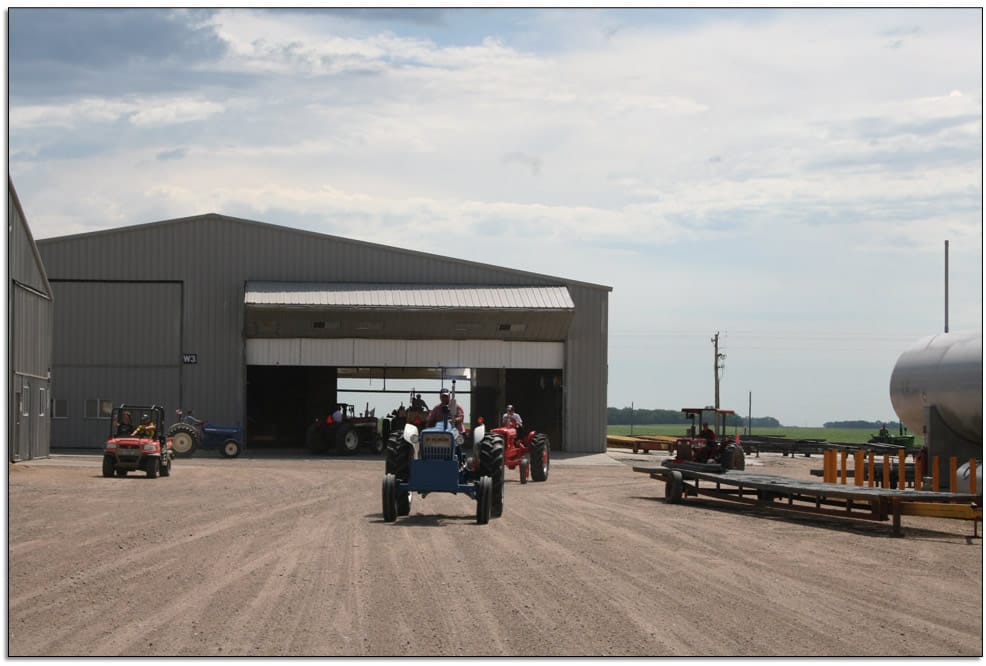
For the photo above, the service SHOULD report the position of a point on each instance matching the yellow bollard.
(827, 466)
(953, 474)
(886, 470)
(902, 470)
(844, 456)
(935, 476)
(918, 471)
(872, 470)
(858, 467)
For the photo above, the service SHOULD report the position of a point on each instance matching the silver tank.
(946, 371)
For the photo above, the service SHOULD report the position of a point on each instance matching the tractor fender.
(478, 433)
(411, 436)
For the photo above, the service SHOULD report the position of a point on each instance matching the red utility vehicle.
(137, 442)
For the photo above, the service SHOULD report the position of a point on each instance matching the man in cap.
(511, 419)
(439, 411)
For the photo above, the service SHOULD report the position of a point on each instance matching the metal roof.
(402, 296)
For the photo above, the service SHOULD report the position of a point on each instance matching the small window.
(98, 409)
(513, 328)
(26, 401)
(59, 409)
(318, 324)
(42, 403)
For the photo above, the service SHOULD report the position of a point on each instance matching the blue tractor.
(190, 434)
(440, 459)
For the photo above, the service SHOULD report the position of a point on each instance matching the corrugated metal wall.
(29, 321)
(214, 256)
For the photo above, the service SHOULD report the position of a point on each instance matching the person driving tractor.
(439, 411)
(145, 428)
(708, 434)
(511, 419)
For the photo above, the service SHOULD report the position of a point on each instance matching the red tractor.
(530, 451)
(703, 448)
(344, 432)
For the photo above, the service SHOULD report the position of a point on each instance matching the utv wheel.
(389, 498)
(166, 464)
(230, 448)
(540, 457)
(347, 440)
(673, 488)
(484, 498)
(109, 465)
(153, 466)
(184, 439)
(491, 465)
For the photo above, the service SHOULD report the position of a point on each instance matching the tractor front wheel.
(389, 498)
(484, 500)
(376, 444)
(347, 440)
(230, 448)
(314, 440)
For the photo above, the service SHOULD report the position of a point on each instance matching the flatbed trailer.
(641, 442)
(813, 497)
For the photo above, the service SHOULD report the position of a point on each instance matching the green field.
(842, 435)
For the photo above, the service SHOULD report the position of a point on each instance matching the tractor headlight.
(459, 439)
(150, 447)
(413, 438)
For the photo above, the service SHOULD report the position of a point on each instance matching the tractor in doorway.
(703, 450)
(344, 433)
(529, 451)
(416, 414)
(189, 434)
(134, 447)
(441, 458)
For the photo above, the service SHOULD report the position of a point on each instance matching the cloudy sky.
(787, 178)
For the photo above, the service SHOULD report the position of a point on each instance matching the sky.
(784, 177)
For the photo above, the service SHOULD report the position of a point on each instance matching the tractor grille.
(436, 446)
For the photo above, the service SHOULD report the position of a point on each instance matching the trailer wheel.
(153, 466)
(184, 439)
(484, 498)
(491, 465)
(673, 487)
(540, 454)
(109, 465)
(230, 448)
(347, 440)
(389, 498)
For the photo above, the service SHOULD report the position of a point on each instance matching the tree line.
(627, 416)
(874, 425)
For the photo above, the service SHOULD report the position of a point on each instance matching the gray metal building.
(253, 324)
(29, 340)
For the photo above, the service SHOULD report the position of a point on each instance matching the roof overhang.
(422, 311)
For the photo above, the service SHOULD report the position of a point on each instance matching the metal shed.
(252, 324)
(29, 340)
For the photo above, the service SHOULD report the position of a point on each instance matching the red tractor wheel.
(540, 457)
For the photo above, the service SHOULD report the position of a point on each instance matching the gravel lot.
(287, 555)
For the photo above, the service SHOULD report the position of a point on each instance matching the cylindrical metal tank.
(946, 371)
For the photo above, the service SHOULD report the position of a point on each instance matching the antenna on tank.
(946, 286)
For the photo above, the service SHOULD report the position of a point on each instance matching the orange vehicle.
(137, 442)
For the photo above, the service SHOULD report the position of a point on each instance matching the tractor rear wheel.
(673, 487)
(732, 457)
(184, 439)
(109, 465)
(389, 498)
(230, 448)
(540, 454)
(314, 441)
(347, 440)
(399, 455)
(525, 470)
(491, 465)
(484, 500)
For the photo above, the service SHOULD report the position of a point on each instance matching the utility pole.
(946, 286)
(718, 365)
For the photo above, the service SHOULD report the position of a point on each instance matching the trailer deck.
(814, 497)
